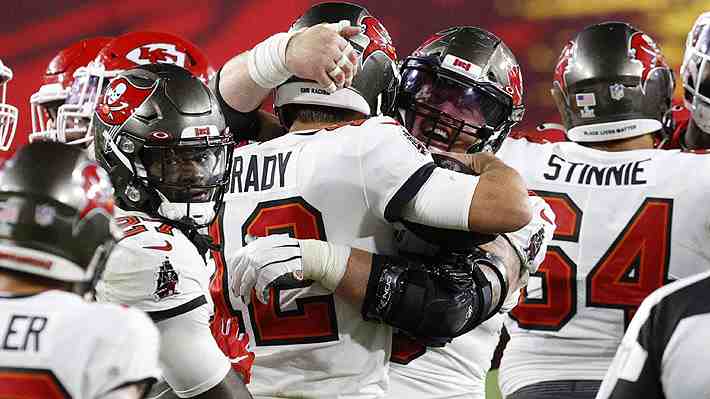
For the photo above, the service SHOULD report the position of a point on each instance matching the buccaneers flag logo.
(379, 38)
(120, 101)
(643, 49)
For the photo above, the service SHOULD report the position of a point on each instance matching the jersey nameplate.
(23, 333)
(635, 173)
(252, 173)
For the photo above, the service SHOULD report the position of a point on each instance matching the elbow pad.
(443, 299)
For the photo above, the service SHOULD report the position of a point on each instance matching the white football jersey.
(56, 345)
(457, 370)
(627, 223)
(157, 269)
(343, 185)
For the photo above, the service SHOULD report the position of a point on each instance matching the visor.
(449, 107)
(187, 173)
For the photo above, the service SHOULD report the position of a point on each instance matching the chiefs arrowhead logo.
(120, 101)
(563, 66)
(515, 88)
(643, 49)
(97, 189)
(379, 39)
(155, 53)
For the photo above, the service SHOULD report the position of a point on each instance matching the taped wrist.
(267, 61)
(324, 262)
(433, 299)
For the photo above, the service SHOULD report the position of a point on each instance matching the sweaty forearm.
(500, 202)
(353, 286)
(237, 87)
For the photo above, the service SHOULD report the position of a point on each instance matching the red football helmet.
(8, 113)
(124, 52)
(56, 82)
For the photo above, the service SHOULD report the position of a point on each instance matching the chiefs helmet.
(56, 82)
(695, 73)
(122, 53)
(461, 80)
(161, 135)
(56, 222)
(8, 113)
(374, 87)
(612, 82)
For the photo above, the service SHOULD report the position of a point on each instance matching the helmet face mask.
(695, 73)
(447, 113)
(8, 113)
(175, 166)
(56, 85)
(461, 91)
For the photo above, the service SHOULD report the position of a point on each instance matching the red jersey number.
(314, 319)
(30, 384)
(634, 266)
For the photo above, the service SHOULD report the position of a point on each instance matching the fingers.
(350, 31)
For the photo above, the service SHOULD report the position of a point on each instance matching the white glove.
(261, 262)
(531, 241)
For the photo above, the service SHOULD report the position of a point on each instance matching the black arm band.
(243, 125)
(441, 299)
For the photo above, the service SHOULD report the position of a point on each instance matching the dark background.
(536, 30)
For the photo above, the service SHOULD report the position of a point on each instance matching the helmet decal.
(515, 88)
(643, 49)
(563, 66)
(154, 53)
(98, 190)
(379, 39)
(121, 99)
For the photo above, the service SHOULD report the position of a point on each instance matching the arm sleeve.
(127, 352)
(443, 201)
(192, 362)
(393, 166)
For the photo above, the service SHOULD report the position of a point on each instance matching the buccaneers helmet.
(8, 113)
(374, 87)
(612, 82)
(56, 82)
(695, 73)
(461, 80)
(122, 53)
(161, 135)
(56, 222)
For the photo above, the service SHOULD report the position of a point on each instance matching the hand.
(234, 345)
(261, 262)
(323, 54)
(531, 241)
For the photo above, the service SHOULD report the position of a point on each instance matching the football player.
(8, 114)
(57, 230)
(660, 355)
(56, 84)
(123, 52)
(694, 132)
(628, 216)
(447, 101)
(342, 177)
(161, 135)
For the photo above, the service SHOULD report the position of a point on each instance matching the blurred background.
(536, 30)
